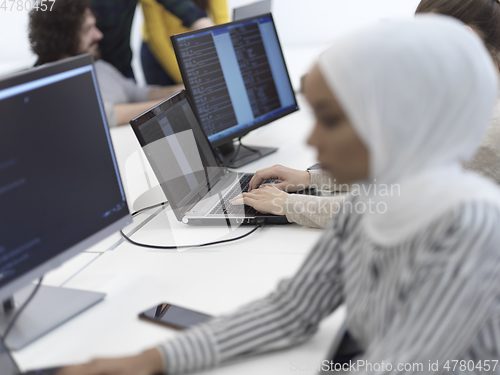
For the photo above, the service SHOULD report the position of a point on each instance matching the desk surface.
(214, 280)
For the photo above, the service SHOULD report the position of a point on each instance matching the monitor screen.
(236, 76)
(59, 182)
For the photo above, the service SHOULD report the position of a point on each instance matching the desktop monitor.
(237, 79)
(60, 189)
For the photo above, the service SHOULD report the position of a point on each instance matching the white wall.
(14, 46)
(311, 23)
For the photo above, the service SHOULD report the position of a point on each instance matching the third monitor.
(237, 78)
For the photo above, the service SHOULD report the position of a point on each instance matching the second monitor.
(237, 78)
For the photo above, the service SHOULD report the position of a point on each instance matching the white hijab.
(419, 93)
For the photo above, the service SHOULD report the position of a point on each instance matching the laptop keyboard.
(224, 207)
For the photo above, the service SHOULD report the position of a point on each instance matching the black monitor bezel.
(45, 70)
(46, 265)
(242, 132)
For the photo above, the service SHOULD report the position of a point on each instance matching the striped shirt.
(434, 297)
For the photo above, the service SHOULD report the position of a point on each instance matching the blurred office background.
(305, 28)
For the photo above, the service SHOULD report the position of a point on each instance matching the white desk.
(215, 280)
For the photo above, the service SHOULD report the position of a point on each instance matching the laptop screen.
(178, 152)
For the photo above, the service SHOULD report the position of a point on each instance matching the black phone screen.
(175, 316)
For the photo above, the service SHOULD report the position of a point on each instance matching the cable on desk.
(16, 316)
(148, 208)
(260, 224)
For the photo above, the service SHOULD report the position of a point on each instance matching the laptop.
(196, 186)
(251, 10)
(9, 367)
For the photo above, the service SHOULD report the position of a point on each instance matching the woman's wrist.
(307, 179)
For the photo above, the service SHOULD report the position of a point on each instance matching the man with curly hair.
(70, 30)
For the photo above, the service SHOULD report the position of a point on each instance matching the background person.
(70, 30)
(483, 17)
(157, 53)
(115, 17)
(420, 282)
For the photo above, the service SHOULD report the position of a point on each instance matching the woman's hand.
(290, 179)
(146, 363)
(266, 199)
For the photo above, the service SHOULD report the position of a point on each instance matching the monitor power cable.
(20, 310)
(260, 224)
(148, 208)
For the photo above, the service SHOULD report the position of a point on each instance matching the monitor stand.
(49, 308)
(234, 156)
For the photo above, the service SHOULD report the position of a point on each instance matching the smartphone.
(174, 316)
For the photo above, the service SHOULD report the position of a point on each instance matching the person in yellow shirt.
(157, 53)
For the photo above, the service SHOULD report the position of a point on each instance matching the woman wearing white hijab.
(419, 272)
(482, 17)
